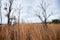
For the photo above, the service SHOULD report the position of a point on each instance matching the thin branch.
(11, 2)
(49, 15)
(14, 11)
(39, 17)
(43, 15)
(44, 10)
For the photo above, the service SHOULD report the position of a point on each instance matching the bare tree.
(9, 10)
(20, 8)
(19, 11)
(0, 13)
(44, 13)
(0, 21)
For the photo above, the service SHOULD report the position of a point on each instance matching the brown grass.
(30, 32)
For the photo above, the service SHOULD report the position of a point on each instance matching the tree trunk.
(8, 19)
(9, 14)
(45, 23)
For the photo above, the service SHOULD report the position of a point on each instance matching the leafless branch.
(39, 17)
(49, 15)
(44, 7)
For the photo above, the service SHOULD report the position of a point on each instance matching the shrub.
(56, 21)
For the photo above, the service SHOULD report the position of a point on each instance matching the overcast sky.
(28, 14)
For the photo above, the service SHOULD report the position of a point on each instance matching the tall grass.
(30, 32)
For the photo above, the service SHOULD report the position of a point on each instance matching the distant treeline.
(55, 21)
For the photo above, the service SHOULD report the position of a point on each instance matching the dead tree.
(19, 11)
(9, 10)
(0, 21)
(20, 8)
(43, 16)
(0, 14)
